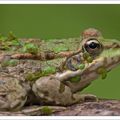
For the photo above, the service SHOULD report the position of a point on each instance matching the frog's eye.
(93, 46)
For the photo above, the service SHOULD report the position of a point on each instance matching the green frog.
(95, 57)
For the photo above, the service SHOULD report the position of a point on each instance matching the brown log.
(101, 108)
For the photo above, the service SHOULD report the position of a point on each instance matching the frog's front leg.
(53, 92)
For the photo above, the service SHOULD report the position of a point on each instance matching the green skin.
(61, 88)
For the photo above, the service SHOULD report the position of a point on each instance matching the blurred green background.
(64, 21)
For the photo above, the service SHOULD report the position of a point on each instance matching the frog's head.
(107, 57)
(105, 54)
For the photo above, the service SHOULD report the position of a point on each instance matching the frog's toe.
(88, 98)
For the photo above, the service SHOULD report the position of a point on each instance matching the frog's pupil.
(93, 45)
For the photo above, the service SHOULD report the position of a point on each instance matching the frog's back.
(60, 45)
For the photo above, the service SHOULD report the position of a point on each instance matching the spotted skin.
(63, 87)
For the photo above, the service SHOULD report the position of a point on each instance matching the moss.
(87, 57)
(104, 75)
(12, 40)
(60, 49)
(36, 75)
(62, 88)
(75, 79)
(3, 38)
(29, 77)
(30, 48)
(103, 72)
(9, 63)
(13, 62)
(4, 64)
(48, 70)
(15, 42)
(46, 110)
(5, 47)
(33, 76)
(81, 66)
(9, 42)
(11, 36)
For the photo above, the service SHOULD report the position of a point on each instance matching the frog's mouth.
(108, 60)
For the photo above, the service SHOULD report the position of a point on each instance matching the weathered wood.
(101, 108)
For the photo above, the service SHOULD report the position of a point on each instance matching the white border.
(59, 2)
(59, 117)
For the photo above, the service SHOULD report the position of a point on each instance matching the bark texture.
(100, 108)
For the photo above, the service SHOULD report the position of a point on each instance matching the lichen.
(30, 48)
(62, 88)
(10, 63)
(36, 75)
(11, 36)
(48, 70)
(75, 79)
(87, 57)
(60, 49)
(103, 72)
(46, 110)
(33, 76)
(9, 41)
(81, 66)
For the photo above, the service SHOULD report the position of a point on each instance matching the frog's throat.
(90, 73)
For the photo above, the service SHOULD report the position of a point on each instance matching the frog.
(96, 56)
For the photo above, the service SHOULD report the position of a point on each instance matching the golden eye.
(93, 46)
